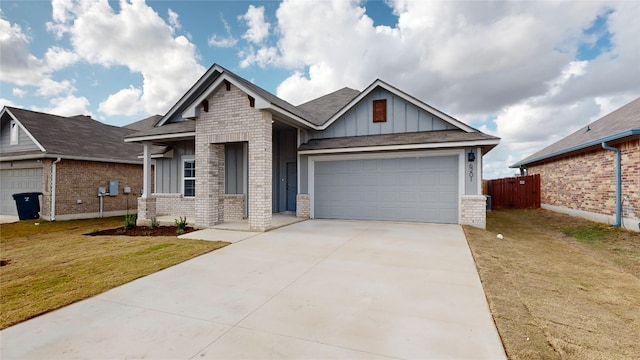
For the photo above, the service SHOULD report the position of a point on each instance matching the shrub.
(181, 225)
(130, 221)
(154, 223)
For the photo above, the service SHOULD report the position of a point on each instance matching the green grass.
(53, 264)
(588, 234)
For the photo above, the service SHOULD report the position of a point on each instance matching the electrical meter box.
(113, 187)
(102, 191)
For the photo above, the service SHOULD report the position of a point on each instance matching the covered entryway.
(14, 181)
(419, 189)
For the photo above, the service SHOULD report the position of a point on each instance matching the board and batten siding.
(24, 141)
(167, 171)
(402, 117)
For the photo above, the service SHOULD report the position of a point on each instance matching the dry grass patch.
(54, 264)
(554, 297)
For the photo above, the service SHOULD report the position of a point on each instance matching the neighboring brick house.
(231, 150)
(578, 175)
(67, 159)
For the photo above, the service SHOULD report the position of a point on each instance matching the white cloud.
(6, 102)
(514, 62)
(124, 102)
(137, 38)
(57, 58)
(19, 66)
(174, 19)
(258, 28)
(49, 87)
(17, 92)
(226, 41)
(67, 106)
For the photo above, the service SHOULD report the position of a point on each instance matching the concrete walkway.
(315, 289)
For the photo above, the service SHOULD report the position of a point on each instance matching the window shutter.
(379, 110)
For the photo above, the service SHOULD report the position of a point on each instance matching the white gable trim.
(186, 96)
(402, 95)
(5, 110)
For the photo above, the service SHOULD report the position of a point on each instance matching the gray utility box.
(113, 187)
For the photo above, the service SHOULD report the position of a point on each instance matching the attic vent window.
(380, 110)
(15, 133)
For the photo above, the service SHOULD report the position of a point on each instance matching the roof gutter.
(632, 132)
(56, 156)
(618, 183)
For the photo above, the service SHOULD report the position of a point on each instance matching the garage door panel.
(403, 189)
(14, 181)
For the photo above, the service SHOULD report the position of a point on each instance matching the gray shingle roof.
(323, 108)
(78, 136)
(144, 124)
(429, 137)
(186, 126)
(619, 124)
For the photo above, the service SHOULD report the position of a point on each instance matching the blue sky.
(528, 72)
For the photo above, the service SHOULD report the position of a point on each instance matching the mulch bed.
(142, 231)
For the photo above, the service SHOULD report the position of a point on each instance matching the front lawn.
(53, 264)
(560, 287)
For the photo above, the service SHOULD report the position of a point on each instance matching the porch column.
(146, 182)
(260, 174)
(209, 200)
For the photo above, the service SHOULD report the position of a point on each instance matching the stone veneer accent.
(474, 211)
(586, 183)
(303, 206)
(232, 119)
(233, 207)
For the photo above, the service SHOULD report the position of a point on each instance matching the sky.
(529, 72)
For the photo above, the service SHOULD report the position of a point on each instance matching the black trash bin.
(28, 205)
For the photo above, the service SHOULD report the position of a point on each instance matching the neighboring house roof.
(77, 137)
(323, 108)
(618, 125)
(144, 124)
(434, 139)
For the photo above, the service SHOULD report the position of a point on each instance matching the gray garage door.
(406, 189)
(14, 181)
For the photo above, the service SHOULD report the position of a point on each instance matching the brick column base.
(303, 206)
(146, 208)
(474, 211)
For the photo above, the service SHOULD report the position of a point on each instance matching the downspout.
(53, 188)
(618, 184)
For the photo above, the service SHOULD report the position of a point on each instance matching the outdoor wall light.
(471, 156)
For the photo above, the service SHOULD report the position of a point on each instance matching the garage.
(14, 181)
(418, 189)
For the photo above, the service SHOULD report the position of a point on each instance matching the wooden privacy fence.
(514, 192)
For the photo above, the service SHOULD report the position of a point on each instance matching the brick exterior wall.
(473, 211)
(232, 119)
(146, 209)
(233, 207)
(586, 182)
(303, 206)
(79, 180)
(175, 204)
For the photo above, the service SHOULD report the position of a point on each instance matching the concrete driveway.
(316, 289)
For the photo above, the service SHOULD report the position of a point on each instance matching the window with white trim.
(188, 176)
(15, 133)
